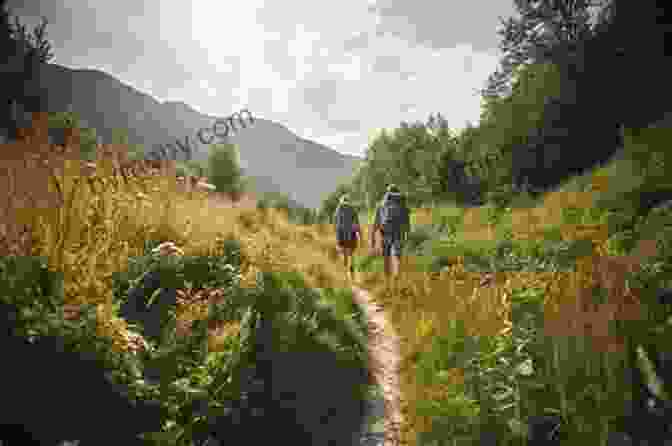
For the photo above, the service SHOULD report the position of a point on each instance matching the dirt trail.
(385, 360)
(384, 353)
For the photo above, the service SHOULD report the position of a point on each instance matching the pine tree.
(21, 54)
(7, 50)
(224, 168)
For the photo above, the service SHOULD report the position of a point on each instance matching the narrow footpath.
(384, 358)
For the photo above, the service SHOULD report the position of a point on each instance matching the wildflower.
(167, 248)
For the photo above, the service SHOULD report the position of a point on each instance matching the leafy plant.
(224, 169)
(419, 235)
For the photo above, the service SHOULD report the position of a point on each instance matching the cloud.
(260, 98)
(386, 64)
(330, 71)
(443, 24)
(320, 96)
(277, 55)
(468, 63)
(358, 41)
(345, 125)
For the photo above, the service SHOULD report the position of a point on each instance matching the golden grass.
(98, 228)
(425, 303)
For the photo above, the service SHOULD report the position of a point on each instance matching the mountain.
(269, 152)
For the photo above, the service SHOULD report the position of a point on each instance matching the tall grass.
(548, 339)
(94, 223)
(476, 356)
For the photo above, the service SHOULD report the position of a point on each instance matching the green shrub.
(224, 169)
(418, 235)
(263, 204)
(181, 170)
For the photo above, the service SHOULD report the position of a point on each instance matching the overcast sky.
(332, 71)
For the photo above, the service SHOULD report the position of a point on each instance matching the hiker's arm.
(358, 228)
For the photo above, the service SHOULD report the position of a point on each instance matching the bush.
(55, 362)
(298, 343)
(224, 171)
(263, 204)
(181, 170)
(34, 396)
(87, 137)
(418, 235)
(291, 340)
(137, 288)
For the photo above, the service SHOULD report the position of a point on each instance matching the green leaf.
(518, 427)
(525, 368)
(576, 250)
(508, 392)
(153, 296)
(161, 438)
(653, 381)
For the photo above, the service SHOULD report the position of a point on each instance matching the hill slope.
(268, 149)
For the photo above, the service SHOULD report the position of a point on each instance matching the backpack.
(392, 217)
(345, 222)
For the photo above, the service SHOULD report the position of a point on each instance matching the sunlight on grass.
(104, 221)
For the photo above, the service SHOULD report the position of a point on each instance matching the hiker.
(392, 220)
(347, 231)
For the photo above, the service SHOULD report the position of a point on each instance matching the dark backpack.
(392, 217)
(345, 222)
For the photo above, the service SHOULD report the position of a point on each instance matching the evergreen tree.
(224, 169)
(21, 55)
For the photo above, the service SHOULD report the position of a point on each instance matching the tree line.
(573, 74)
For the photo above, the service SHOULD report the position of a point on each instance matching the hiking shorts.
(392, 246)
(348, 244)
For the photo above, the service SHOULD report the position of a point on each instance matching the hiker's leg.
(395, 252)
(348, 258)
(387, 260)
(387, 268)
(386, 264)
(395, 261)
(343, 251)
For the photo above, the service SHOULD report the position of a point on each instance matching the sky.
(335, 72)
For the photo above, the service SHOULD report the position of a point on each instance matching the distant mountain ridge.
(302, 169)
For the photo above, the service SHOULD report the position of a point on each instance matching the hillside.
(268, 149)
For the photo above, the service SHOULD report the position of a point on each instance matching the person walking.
(347, 232)
(392, 220)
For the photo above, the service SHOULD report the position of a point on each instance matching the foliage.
(21, 55)
(200, 390)
(330, 203)
(198, 168)
(181, 170)
(540, 31)
(504, 382)
(191, 381)
(419, 236)
(87, 137)
(224, 169)
(36, 331)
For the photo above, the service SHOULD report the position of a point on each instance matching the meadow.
(508, 314)
(504, 313)
(177, 292)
